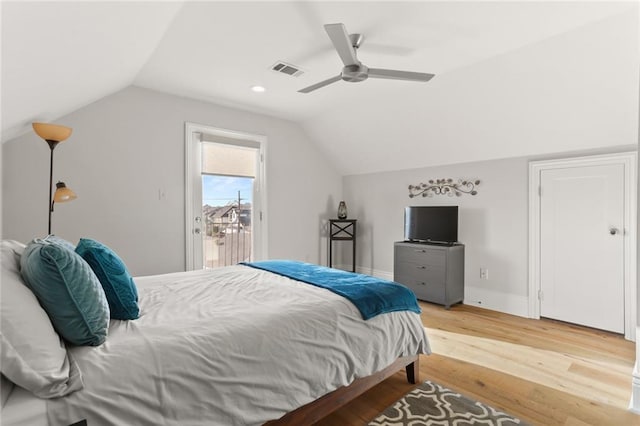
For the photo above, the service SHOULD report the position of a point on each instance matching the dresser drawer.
(421, 255)
(420, 271)
(424, 288)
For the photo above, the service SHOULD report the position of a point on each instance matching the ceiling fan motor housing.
(355, 73)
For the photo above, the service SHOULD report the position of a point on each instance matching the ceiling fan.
(354, 70)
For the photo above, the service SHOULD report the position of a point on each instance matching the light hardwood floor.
(543, 371)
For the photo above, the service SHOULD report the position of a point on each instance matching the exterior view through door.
(227, 220)
(228, 174)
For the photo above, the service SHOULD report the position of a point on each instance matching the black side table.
(342, 230)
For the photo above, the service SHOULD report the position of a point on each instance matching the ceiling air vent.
(285, 68)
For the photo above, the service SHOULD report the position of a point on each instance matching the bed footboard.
(316, 410)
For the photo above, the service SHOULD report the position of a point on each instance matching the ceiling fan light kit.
(355, 71)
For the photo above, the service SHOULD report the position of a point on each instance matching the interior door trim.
(629, 161)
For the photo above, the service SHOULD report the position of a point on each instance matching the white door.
(198, 223)
(582, 245)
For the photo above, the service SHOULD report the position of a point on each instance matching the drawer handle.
(420, 250)
(422, 283)
(421, 267)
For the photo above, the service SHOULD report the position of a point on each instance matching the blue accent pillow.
(68, 290)
(118, 285)
(60, 241)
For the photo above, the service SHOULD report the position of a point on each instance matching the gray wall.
(493, 225)
(126, 147)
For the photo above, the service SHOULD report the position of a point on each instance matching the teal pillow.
(60, 241)
(68, 290)
(118, 285)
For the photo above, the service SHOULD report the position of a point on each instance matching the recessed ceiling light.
(258, 89)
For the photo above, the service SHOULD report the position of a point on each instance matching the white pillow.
(33, 355)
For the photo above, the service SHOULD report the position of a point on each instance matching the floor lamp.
(53, 134)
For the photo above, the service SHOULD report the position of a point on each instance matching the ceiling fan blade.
(321, 84)
(387, 49)
(399, 75)
(340, 39)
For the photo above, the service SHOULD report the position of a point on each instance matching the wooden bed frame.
(325, 405)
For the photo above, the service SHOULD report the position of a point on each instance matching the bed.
(236, 345)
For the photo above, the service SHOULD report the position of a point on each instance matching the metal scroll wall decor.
(444, 187)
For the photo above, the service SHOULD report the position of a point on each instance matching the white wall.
(126, 147)
(493, 225)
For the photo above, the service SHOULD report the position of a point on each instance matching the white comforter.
(230, 346)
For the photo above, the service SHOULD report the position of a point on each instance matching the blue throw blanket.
(372, 296)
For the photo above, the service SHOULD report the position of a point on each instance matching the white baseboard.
(634, 404)
(476, 296)
(346, 268)
(385, 275)
(496, 301)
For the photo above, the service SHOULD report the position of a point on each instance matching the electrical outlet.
(484, 274)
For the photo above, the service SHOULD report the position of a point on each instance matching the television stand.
(435, 272)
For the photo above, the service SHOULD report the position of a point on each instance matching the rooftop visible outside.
(227, 215)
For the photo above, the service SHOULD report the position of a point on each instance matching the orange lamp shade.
(63, 193)
(52, 132)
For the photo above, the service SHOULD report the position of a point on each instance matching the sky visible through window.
(222, 190)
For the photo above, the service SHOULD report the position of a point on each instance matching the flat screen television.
(431, 224)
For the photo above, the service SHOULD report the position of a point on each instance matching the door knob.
(613, 231)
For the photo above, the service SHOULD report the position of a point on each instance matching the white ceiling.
(60, 56)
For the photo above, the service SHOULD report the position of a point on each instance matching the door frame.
(629, 161)
(260, 193)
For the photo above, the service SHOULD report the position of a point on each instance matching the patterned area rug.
(432, 404)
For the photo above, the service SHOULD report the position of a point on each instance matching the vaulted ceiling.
(496, 64)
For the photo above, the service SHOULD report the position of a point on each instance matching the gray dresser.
(435, 273)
